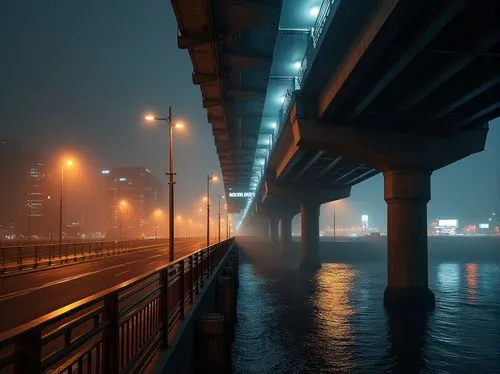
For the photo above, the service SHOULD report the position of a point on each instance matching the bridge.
(307, 99)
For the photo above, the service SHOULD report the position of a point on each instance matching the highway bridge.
(306, 99)
(309, 98)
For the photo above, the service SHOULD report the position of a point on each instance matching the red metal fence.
(117, 330)
(36, 255)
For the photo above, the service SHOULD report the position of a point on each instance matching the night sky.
(83, 73)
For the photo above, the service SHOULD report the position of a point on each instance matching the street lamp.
(227, 220)
(334, 227)
(219, 199)
(209, 178)
(66, 164)
(170, 174)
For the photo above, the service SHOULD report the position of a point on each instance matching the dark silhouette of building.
(11, 188)
(133, 195)
(41, 195)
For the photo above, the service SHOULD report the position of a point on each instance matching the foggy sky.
(83, 73)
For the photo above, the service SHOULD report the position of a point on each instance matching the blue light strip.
(315, 33)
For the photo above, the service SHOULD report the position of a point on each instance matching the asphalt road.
(24, 297)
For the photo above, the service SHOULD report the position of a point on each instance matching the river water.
(334, 321)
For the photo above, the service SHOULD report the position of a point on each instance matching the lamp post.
(68, 163)
(219, 197)
(170, 174)
(227, 220)
(209, 178)
(334, 227)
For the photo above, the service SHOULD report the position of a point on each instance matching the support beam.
(285, 231)
(446, 72)
(407, 193)
(353, 170)
(211, 103)
(273, 228)
(200, 78)
(191, 41)
(365, 175)
(428, 30)
(387, 150)
(329, 167)
(309, 163)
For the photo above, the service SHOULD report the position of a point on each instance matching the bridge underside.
(401, 87)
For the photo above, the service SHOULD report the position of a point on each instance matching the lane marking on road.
(121, 273)
(182, 246)
(64, 280)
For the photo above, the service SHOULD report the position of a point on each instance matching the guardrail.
(33, 256)
(114, 331)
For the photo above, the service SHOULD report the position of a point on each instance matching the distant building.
(27, 204)
(11, 188)
(132, 194)
(40, 196)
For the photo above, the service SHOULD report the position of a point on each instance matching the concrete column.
(309, 236)
(285, 231)
(273, 228)
(407, 193)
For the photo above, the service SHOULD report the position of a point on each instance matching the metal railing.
(38, 255)
(114, 331)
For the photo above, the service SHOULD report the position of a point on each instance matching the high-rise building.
(11, 188)
(40, 196)
(133, 194)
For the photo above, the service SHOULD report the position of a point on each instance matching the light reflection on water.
(335, 322)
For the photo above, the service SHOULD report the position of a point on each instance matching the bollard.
(210, 351)
(225, 305)
(230, 271)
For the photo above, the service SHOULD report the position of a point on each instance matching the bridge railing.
(36, 255)
(114, 331)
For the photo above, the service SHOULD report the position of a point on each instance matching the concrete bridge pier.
(273, 228)
(285, 231)
(407, 193)
(309, 237)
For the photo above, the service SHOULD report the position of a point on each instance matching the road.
(24, 297)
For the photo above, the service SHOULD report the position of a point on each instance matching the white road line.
(161, 254)
(121, 273)
(64, 280)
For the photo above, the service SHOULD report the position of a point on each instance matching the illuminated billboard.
(242, 194)
(448, 222)
(484, 225)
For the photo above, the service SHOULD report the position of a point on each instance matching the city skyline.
(66, 107)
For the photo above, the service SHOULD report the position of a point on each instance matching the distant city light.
(314, 11)
(448, 222)
(484, 225)
(105, 172)
(297, 65)
(122, 179)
